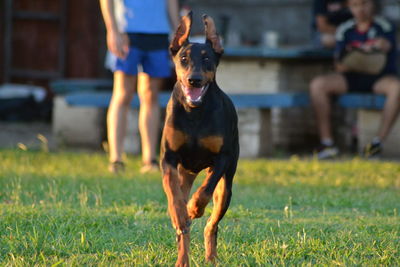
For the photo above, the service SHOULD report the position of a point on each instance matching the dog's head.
(195, 63)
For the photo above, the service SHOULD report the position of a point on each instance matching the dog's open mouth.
(194, 95)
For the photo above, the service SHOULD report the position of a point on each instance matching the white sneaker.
(327, 152)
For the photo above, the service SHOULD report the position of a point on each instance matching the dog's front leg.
(203, 195)
(177, 211)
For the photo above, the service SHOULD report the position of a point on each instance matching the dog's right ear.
(182, 34)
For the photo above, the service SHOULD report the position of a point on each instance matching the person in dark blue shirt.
(366, 33)
(327, 16)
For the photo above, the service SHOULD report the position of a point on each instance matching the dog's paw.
(194, 210)
(182, 263)
(212, 258)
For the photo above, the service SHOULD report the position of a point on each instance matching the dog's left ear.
(182, 34)
(211, 34)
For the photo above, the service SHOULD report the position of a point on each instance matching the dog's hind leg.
(203, 195)
(177, 211)
(221, 199)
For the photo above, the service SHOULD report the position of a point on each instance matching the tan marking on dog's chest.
(212, 143)
(175, 138)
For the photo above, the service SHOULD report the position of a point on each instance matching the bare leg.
(390, 87)
(149, 115)
(123, 89)
(321, 89)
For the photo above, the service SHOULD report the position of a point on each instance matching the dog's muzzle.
(194, 95)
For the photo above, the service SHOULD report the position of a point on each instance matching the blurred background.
(47, 40)
(44, 40)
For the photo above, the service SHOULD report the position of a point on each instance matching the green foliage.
(65, 209)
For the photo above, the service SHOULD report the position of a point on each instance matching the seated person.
(366, 32)
(328, 14)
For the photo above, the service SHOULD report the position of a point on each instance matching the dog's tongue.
(194, 93)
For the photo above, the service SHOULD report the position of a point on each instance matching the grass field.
(65, 209)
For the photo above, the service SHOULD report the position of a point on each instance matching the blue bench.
(97, 93)
(62, 87)
(275, 100)
(84, 104)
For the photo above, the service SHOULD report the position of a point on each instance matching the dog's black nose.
(194, 81)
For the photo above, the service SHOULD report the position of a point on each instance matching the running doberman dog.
(200, 132)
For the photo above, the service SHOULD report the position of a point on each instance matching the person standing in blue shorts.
(137, 35)
(365, 33)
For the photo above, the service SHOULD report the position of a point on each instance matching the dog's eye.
(184, 59)
(206, 59)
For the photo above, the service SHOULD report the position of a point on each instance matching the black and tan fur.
(199, 134)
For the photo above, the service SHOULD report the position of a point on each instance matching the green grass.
(65, 209)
